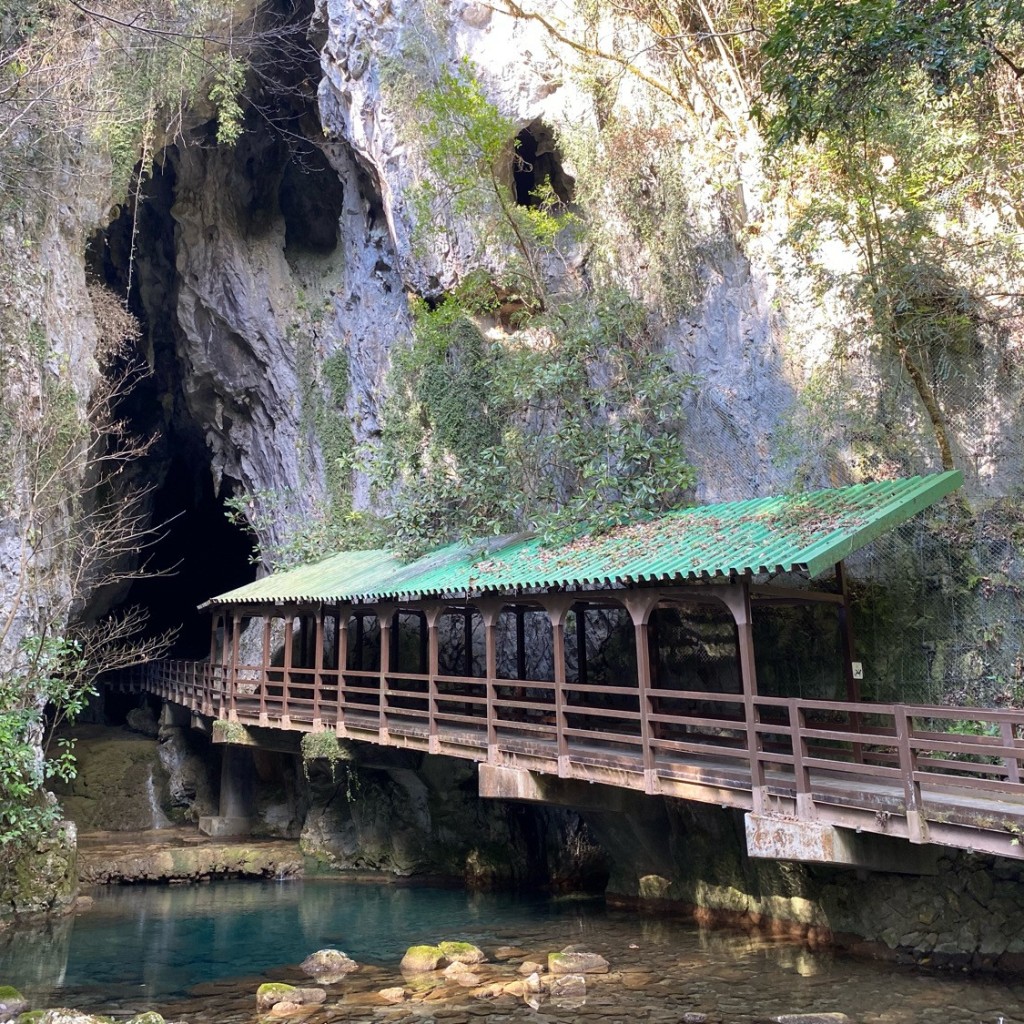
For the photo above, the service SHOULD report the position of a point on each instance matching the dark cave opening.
(536, 163)
(195, 552)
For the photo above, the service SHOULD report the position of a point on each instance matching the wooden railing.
(927, 773)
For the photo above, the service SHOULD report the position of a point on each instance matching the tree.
(77, 525)
(830, 65)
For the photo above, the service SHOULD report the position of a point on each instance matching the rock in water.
(572, 962)
(569, 986)
(461, 952)
(12, 1002)
(811, 1018)
(328, 965)
(419, 959)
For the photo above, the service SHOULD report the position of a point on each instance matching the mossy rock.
(12, 1002)
(148, 1017)
(461, 952)
(419, 959)
(273, 992)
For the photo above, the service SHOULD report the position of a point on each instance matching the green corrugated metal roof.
(803, 532)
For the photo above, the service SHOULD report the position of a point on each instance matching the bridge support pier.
(772, 837)
(236, 795)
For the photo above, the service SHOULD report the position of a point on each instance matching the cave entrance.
(194, 552)
(537, 163)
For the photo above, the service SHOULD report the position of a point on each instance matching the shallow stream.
(198, 953)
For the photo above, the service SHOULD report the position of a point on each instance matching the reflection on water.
(198, 952)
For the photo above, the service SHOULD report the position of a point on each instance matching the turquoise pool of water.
(197, 953)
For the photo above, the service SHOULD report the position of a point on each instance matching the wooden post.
(520, 642)
(557, 606)
(849, 650)
(581, 643)
(225, 660)
(490, 612)
(318, 663)
(341, 647)
(737, 599)
(265, 667)
(805, 809)
(433, 614)
(917, 828)
(1012, 762)
(385, 617)
(640, 604)
(286, 668)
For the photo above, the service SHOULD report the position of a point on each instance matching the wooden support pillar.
(265, 666)
(386, 618)
(360, 639)
(433, 613)
(849, 651)
(286, 668)
(490, 612)
(581, 643)
(557, 606)
(318, 663)
(225, 662)
(341, 648)
(640, 605)
(917, 827)
(737, 600)
(520, 642)
(424, 644)
(236, 631)
(211, 678)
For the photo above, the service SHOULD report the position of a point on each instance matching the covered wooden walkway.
(630, 660)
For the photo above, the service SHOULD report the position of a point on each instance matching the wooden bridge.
(894, 770)
(629, 660)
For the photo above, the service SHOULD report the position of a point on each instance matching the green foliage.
(829, 65)
(227, 86)
(42, 689)
(570, 423)
(286, 532)
(900, 184)
(469, 154)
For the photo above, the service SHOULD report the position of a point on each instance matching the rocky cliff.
(282, 280)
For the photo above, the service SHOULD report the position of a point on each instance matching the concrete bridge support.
(236, 794)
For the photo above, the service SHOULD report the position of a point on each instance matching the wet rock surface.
(182, 854)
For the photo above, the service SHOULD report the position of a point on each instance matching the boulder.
(568, 986)
(143, 721)
(12, 1002)
(569, 961)
(328, 965)
(461, 952)
(419, 959)
(275, 992)
(148, 1017)
(461, 975)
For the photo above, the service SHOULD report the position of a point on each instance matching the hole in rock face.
(195, 553)
(538, 162)
(311, 199)
(199, 555)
